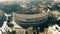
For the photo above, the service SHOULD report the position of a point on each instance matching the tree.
(11, 8)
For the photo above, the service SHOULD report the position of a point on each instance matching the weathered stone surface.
(30, 30)
(20, 31)
(56, 14)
